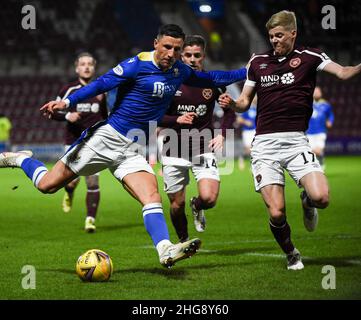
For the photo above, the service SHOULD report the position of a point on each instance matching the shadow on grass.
(335, 261)
(238, 251)
(113, 227)
(67, 271)
(176, 273)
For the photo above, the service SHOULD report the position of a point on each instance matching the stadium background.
(36, 63)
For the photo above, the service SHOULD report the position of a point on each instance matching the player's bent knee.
(93, 187)
(43, 188)
(277, 214)
(322, 201)
(46, 187)
(209, 201)
(92, 182)
(153, 197)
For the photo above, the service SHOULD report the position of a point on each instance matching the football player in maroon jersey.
(192, 108)
(284, 79)
(87, 114)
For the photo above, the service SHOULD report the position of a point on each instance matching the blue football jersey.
(322, 111)
(250, 115)
(145, 91)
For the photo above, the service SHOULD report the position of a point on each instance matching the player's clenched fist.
(186, 118)
(225, 100)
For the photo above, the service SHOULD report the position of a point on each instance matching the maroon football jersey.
(202, 102)
(284, 87)
(91, 111)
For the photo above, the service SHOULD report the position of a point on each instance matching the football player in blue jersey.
(322, 119)
(146, 84)
(248, 122)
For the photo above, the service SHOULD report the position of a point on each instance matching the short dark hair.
(171, 30)
(84, 54)
(195, 40)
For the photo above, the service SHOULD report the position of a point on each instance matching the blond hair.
(84, 54)
(284, 18)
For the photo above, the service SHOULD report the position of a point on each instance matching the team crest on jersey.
(118, 70)
(207, 93)
(294, 63)
(176, 72)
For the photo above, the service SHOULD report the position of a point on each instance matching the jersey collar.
(153, 60)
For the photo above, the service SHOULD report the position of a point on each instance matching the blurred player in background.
(284, 79)
(321, 120)
(248, 122)
(192, 108)
(146, 85)
(84, 115)
(5, 131)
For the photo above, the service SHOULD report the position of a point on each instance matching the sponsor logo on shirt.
(200, 110)
(88, 107)
(263, 65)
(274, 79)
(288, 78)
(160, 89)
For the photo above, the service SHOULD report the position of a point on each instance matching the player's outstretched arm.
(242, 104)
(341, 72)
(214, 79)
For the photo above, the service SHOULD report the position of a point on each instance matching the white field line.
(272, 240)
(271, 255)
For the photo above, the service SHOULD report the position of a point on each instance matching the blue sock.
(155, 223)
(34, 169)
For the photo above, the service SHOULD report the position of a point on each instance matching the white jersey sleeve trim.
(324, 58)
(250, 83)
(67, 93)
(323, 64)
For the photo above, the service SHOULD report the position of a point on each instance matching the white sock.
(161, 244)
(20, 159)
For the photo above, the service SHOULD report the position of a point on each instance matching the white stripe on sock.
(152, 208)
(39, 174)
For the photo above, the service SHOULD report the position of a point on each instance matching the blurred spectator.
(322, 119)
(248, 122)
(5, 129)
(215, 43)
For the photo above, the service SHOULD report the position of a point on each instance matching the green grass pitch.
(239, 258)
